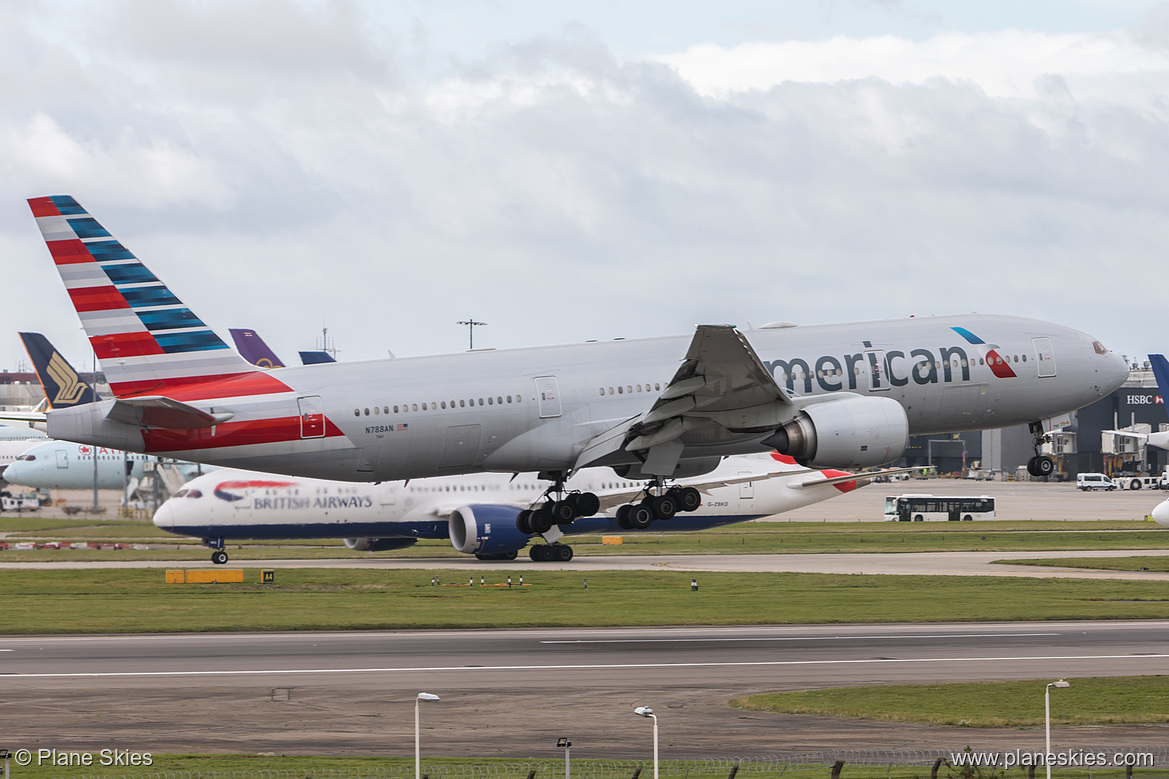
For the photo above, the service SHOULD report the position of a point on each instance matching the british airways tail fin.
(1161, 372)
(63, 386)
(253, 349)
(145, 338)
(316, 358)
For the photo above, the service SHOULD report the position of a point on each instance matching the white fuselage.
(232, 504)
(68, 466)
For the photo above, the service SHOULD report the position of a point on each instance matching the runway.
(513, 692)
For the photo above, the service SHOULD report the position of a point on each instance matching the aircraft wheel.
(587, 504)
(641, 516)
(623, 517)
(1041, 466)
(563, 511)
(688, 499)
(523, 522)
(563, 552)
(664, 506)
(541, 521)
(219, 557)
(513, 554)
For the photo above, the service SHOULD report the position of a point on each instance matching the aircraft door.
(548, 395)
(1044, 357)
(312, 416)
(878, 381)
(746, 488)
(62, 458)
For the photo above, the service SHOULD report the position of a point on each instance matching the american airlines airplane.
(477, 513)
(656, 409)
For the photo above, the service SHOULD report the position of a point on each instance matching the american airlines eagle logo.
(996, 362)
(223, 489)
(69, 384)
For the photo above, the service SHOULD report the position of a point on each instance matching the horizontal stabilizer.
(156, 411)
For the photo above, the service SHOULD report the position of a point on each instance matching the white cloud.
(1006, 63)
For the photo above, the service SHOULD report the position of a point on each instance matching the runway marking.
(911, 637)
(597, 667)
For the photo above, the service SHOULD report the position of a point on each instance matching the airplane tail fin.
(145, 338)
(1161, 372)
(253, 349)
(316, 358)
(63, 386)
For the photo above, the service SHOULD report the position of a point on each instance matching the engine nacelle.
(379, 544)
(486, 529)
(854, 431)
(686, 469)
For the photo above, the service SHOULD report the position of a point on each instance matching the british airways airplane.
(476, 513)
(834, 395)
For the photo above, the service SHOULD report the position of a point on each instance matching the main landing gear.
(662, 505)
(557, 508)
(218, 556)
(1040, 465)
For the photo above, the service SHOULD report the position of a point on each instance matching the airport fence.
(837, 763)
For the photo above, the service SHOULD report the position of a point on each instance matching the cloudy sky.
(573, 170)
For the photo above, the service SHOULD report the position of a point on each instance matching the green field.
(139, 600)
(1120, 700)
(746, 538)
(1135, 563)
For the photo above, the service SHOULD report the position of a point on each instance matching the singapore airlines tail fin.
(148, 342)
(253, 348)
(63, 386)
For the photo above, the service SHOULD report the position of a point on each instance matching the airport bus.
(920, 508)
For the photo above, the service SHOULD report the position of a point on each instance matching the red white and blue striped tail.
(145, 338)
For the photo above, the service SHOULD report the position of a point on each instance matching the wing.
(721, 380)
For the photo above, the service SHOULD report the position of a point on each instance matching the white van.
(1094, 481)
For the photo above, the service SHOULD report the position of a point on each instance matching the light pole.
(566, 745)
(422, 696)
(1047, 720)
(646, 711)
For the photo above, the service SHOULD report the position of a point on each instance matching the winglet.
(62, 384)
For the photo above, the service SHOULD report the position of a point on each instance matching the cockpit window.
(1099, 347)
(28, 458)
(189, 493)
(180, 493)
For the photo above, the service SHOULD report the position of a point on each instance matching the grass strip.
(1117, 700)
(139, 600)
(1135, 563)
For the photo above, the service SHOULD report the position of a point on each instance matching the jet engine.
(486, 530)
(379, 544)
(853, 431)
